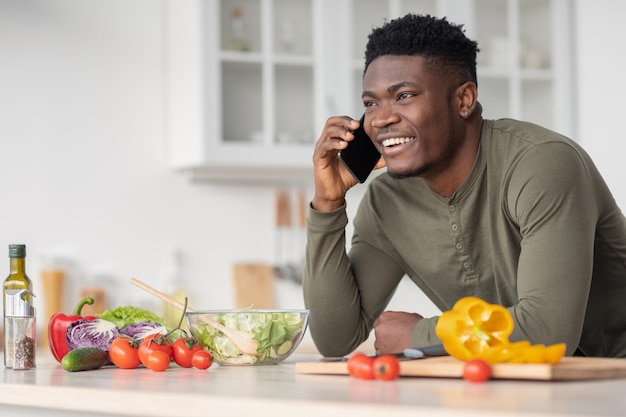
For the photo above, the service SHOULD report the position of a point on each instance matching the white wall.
(601, 88)
(83, 162)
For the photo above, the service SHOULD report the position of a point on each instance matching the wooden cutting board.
(254, 285)
(570, 368)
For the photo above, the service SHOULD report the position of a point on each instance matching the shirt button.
(466, 265)
(452, 207)
(455, 227)
(459, 245)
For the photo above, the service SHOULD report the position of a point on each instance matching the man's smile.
(397, 141)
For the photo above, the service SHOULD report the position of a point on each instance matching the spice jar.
(20, 330)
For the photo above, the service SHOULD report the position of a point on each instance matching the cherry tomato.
(183, 349)
(361, 366)
(386, 367)
(154, 342)
(476, 370)
(202, 359)
(157, 361)
(123, 353)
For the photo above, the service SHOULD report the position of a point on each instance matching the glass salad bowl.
(248, 337)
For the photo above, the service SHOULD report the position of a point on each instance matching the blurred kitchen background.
(171, 141)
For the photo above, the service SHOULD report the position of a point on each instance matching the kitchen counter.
(277, 390)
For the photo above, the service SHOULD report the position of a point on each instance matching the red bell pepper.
(57, 328)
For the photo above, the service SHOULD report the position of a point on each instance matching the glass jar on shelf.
(239, 28)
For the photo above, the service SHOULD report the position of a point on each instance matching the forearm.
(329, 289)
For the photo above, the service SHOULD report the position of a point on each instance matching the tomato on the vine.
(386, 367)
(152, 343)
(202, 359)
(183, 350)
(157, 361)
(124, 353)
(361, 366)
(476, 370)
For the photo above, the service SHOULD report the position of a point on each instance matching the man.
(503, 210)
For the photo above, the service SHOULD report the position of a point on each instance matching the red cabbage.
(91, 333)
(143, 329)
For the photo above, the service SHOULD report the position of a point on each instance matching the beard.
(408, 174)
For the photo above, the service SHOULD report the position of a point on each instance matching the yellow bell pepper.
(475, 329)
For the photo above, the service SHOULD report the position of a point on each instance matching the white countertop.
(276, 390)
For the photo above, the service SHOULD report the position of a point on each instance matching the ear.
(467, 99)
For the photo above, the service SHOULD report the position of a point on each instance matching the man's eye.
(402, 96)
(368, 103)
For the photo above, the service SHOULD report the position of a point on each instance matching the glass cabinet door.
(515, 73)
(266, 69)
(534, 59)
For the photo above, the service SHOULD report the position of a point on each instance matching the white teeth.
(397, 141)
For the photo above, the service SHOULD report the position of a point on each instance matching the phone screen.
(361, 155)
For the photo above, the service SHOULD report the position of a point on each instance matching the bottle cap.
(17, 251)
(17, 305)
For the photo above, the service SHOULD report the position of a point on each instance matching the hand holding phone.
(361, 156)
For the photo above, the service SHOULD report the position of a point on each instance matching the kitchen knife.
(416, 353)
(409, 353)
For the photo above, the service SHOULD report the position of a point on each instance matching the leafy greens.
(126, 315)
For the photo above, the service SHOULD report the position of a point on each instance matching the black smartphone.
(361, 156)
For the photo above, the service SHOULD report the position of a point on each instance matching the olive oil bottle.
(17, 280)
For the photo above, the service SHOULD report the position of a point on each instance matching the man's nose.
(384, 116)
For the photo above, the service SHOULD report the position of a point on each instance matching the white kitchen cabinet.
(243, 86)
(250, 83)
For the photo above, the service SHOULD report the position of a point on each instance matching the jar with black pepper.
(17, 280)
(20, 330)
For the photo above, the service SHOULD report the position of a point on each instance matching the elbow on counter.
(332, 342)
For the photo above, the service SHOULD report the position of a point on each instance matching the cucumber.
(84, 359)
(284, 348)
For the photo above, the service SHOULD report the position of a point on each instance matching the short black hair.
(444, 43)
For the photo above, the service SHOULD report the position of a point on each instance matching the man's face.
(409, 115)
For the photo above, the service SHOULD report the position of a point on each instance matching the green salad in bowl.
(248, 337)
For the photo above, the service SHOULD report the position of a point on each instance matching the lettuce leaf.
(126, 315)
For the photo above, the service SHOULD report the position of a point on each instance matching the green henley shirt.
(533, 228)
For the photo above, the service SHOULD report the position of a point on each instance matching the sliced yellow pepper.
(511, 352)
(475, 329)
(524, 352)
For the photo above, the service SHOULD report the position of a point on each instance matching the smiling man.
(503, 210)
